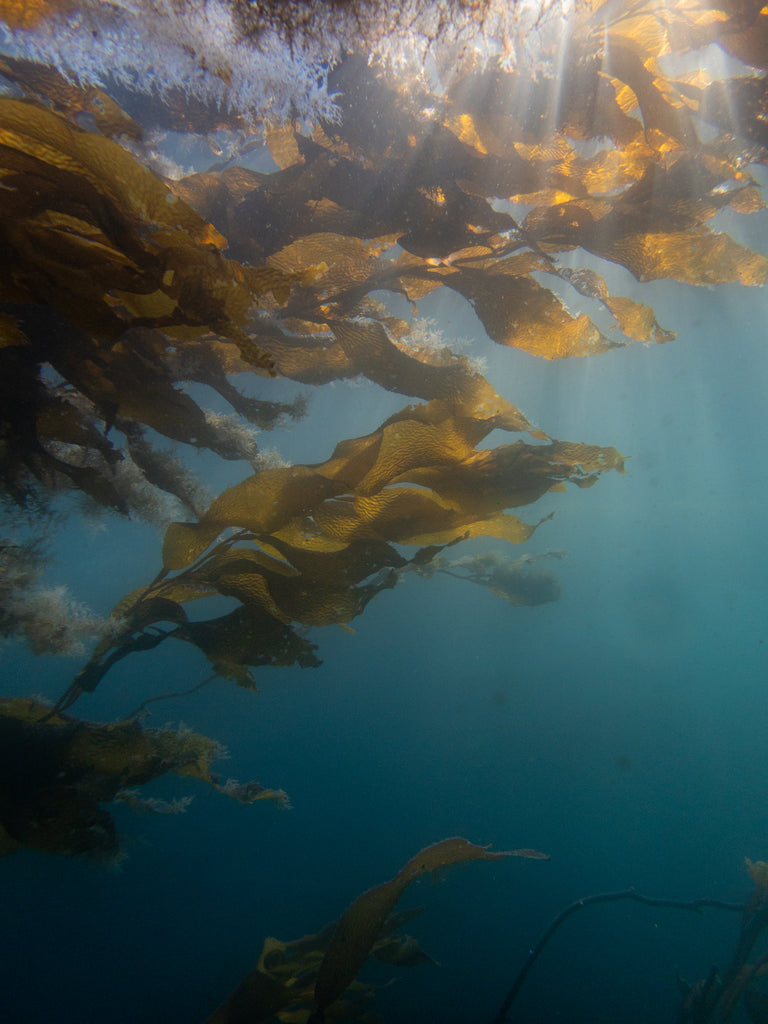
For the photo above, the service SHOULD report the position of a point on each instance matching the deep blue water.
(621, 729)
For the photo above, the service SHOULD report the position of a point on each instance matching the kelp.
(718, 997)
(315, 972)
(99, 256)
(95, 236)
(712, 1000)
(520, 581)
(357, 491)
(313, 545)
(57, 771)
(510, 188)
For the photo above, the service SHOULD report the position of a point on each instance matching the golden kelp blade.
(133, 248)
(365, 917)
(517, 311)
(426, 446)
(308, 536)
(363, 347)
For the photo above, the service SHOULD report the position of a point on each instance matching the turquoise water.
(620, 730)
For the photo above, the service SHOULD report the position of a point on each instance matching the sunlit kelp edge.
(122, 285)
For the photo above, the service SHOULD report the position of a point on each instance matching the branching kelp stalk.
(695, 905)
(169, 696)
(714, 999)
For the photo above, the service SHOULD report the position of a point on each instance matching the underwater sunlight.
(382, 417)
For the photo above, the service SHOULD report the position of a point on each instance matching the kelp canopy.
(510, 168)
(122, 287)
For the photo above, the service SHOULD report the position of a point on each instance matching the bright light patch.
(208, 50)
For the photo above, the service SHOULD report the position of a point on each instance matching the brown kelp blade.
(257, 998)
(363, 920)
(292, 978)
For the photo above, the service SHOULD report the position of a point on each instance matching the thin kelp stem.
(603, 897)
(167, 696)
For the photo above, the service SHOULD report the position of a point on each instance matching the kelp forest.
(341, 181)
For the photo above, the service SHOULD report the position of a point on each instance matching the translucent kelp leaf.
(345, 565)
(242, 579)
(515, 475)
(502, 526)
(416, 285)
(612, 169)
(325, 604)
(102, 163)
(422, 445)
(392, 514)
(64, 97)
(341, 261)
(697, 257)
(656, 227)
(308, 359)
(58, 770)
(89, 229)
(637, 321)
(517, 311)
(407, 444)
(217, 198)
(331, 597)
(322, 534)
(364, 347)
(369, 350)
(415, 515)
(583, 460)
(667, 126)
(266, 557)
(282, 146)
(324, 593)
(261, 503)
